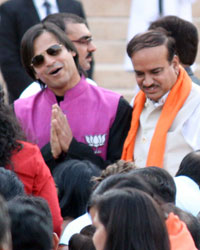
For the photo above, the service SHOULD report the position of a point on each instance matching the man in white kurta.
(158, 75)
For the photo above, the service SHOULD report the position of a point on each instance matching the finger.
(54, 140)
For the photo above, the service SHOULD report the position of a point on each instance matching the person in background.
(31, 224)
(26, 161)
(122, 217)
(16, 18)
(5, 231)
(77, 31)
(187, 181)
(186, 48)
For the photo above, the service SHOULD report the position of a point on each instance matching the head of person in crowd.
(31, 227)
(41, 204)
(50, 58)
(185, 35)
(118, 167)
(73, 180)
(123, 220)
(121, 180)
(10, 185)
(78, 32)
(5, 233)
(156, 65)
(190, 220)
(83, 240)
(190, 166)
(88, 230)
(161, 182)
(10, 134)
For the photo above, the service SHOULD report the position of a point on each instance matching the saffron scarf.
(173, 104)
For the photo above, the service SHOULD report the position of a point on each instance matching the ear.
(36, 75)
(176, 63)
(73, 53)
(55, 241)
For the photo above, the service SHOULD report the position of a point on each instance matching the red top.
(37, 179)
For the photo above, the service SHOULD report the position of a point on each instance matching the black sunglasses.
(54, 50)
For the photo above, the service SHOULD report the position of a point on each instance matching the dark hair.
(29, 227)
(185, 35)
(160, 180)
(150, 39)
(118, 167)
(5, 236)
(39, 203)
(88, 230)
(73, 179)
(190, 220)
(80, 242)
(63, 19)
(10, 134)
(10, 185)
(127, 217)
(27, 45)
(120, 181)
(190, 166)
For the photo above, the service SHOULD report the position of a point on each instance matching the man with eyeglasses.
(17, 17)
(69, 118)
(77, 31)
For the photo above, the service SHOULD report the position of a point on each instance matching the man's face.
(81, 37)
(58, 71)
(155, 75)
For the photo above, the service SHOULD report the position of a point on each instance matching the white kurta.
(182, 138)
(187, 195)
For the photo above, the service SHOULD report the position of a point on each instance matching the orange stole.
(173, 104)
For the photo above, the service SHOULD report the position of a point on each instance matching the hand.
(61, 134)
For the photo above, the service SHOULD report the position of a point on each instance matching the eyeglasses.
(83, 40)
(54, 50)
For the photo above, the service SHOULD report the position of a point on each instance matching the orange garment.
(173, 104)
(179, 235)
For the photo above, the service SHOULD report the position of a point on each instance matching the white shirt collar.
(159, 103)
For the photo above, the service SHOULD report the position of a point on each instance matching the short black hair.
(63, 19)
(160, 180)
(150, 39)
(10, 184)
(190, 166)
(185, 35)
(73, 180)
(29, 227)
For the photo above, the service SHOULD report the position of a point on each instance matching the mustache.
(151, 86)
(89, 55)
(56, 65)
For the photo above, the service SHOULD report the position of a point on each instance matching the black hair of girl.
(132, 220)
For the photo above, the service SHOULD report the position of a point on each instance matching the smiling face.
(79, 34)
(59, 71)
(155, 75)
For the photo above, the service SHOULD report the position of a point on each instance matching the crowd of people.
(80, 167)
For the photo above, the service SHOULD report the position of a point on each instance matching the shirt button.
(144, 140)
